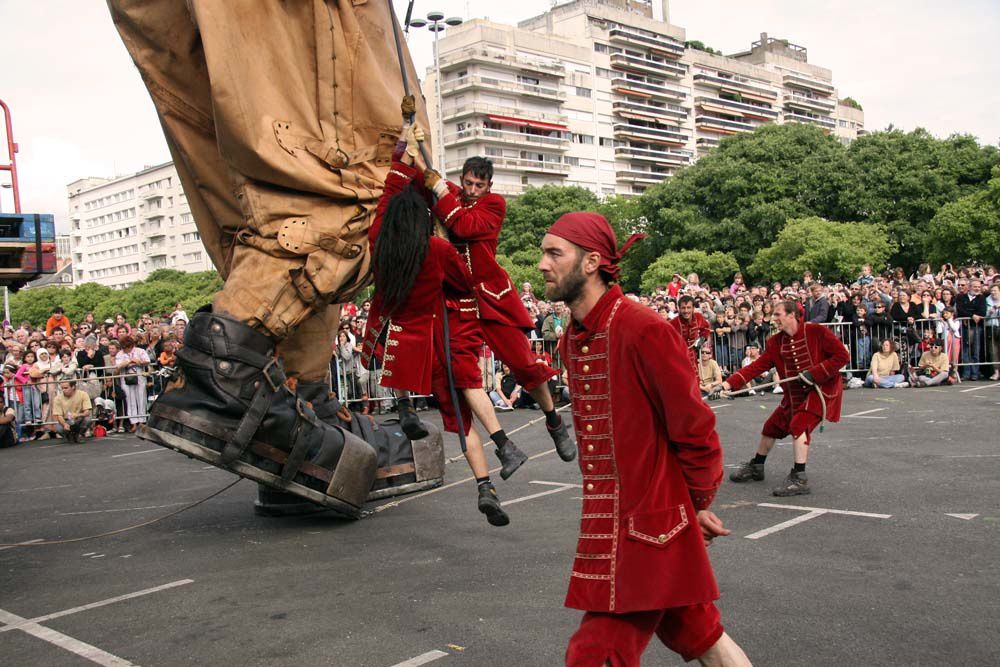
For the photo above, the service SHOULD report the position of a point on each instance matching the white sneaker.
(752, 392)
(778, 390)
(902, 385)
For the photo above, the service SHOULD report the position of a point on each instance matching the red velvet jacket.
(650, 459)
(409, 329)
(474, 230)
(689, 331)
(814, 348)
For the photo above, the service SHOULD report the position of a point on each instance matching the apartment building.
(123, 229)
(600, 94)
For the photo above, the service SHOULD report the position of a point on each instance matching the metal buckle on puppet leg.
(263, 463)
(426, 471)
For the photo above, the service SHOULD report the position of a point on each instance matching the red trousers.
(785, 421)
(466, 344)
(511, 346)
(621, 638)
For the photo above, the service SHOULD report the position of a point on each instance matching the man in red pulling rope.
(474, 215)
(814, 355)
(651, 463)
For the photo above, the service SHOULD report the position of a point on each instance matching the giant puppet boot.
(232, 409)
(405, 465)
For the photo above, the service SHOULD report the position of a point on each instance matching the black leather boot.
(511, 457)
(410, 422)
(489, 504)
(233, 410)
(565, 447)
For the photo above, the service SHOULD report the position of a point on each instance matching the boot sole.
(744, 481)
(494, 514)
(415, 433)
(156, 434)
(781, 493)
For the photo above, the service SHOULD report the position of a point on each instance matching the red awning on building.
(528, 123)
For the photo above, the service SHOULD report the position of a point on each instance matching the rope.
(427, 161)
(128, 528)
(768, 385)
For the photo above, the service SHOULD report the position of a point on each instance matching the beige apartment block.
(600, 94)
(123, 229)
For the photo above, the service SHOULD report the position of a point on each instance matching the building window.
(601, 48)
(583, 92)
(585, 139)
(604, 73)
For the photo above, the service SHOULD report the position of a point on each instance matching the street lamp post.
(436, 22)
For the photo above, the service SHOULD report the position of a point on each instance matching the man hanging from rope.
(814, 355)
(474, 216)
(412, 271)
(281, 119)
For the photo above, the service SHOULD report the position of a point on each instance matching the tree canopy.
(714, 269)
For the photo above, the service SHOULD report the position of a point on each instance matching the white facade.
(605, 97)
(123, 229)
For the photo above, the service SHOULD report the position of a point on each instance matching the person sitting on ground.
(709, 373)
(752, 353)
(72, 411)
(507, 393)
(933, 366)
(885, 371)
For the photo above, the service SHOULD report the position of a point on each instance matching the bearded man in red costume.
(651, 463)
(692, 326)
(814, 355)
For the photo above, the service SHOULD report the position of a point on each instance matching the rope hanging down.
(127, 528)
(427, 161)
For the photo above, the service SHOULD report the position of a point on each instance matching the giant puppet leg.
(282, 158)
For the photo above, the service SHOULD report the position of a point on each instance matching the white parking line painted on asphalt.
(561, 487)
(27, 542)
(422, 659)
(811, 513)
(82, 649)
(720, 406)
(865, 412)
(39, 488)
(988, 386)
(973, 456)
(964, 517)
(145, 451)
(95, 605)
(121, 509)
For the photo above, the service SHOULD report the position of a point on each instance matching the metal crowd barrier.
(975, 351)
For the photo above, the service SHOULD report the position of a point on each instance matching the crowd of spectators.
(71, 379)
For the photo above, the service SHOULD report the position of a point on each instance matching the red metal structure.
(11, 152)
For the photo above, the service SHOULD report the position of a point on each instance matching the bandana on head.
(593, 233)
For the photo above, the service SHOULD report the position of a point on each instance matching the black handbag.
(131, 379)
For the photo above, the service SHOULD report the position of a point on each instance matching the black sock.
(799, 467)
(482, 480)
(552, 418)
(499, 438)
(759, 458)
(404, 404)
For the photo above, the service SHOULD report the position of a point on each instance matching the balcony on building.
(506, 137)
(647, 90)
(642, 176)
(658, 43)
(459, 59)
(721, 125)
(706, 143)
(810, 102)
(670, 136)
(522, 165)
(796, 117)
(736, 85)
(676, 157)
(630, 63)
(473, 82)
(734, 108)
(483, 109)
(808, 83)
(634, 109)
(152, 195)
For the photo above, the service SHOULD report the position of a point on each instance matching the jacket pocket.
(658, 528)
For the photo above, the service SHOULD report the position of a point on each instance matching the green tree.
(968, 230)
(531, 214)
(831, 250)
(902, 179)
(715, 269)
(522, 267)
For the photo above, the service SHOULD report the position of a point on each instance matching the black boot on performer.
(489, 504)
(796, 484)
(748, 471)
(510, 456)
(565, 447)
(231, 408)
(409, 421)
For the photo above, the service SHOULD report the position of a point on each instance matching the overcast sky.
(79, 108)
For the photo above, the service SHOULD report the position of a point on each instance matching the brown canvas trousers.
(281, 118)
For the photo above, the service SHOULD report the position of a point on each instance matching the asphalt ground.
(428, 581)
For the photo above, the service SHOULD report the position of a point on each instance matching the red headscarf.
(593, 233)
